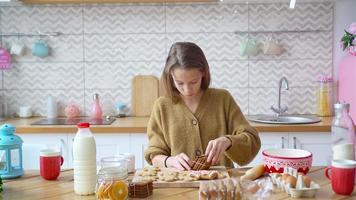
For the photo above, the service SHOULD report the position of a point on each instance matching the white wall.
(345, 14)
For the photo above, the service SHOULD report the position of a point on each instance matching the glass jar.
(112, 180)
(342, 133)
(324, 95)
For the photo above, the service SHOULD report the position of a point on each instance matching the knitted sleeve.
(157, 144)
(245, 140)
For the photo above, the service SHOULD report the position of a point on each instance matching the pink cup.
(50, 164)
(342, 176)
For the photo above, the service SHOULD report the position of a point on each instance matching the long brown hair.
(184, 55)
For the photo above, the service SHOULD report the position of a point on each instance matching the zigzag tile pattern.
(110, 75)
(301, 100)
(124, 19)
(216, 46)
(64, 19)
(130, 47)
(229, 74)
(261, 99)
(108, 99)
(44, 76)
(66, 48)
(207, 18)
(300, 73)
(105, 45)
(1, 80)
(37, 100)
(307, 16)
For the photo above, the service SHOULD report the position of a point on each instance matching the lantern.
(10, 152)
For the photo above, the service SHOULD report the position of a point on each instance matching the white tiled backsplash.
(103, 46)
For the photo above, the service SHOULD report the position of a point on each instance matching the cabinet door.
(33, 143)
(270, 140)
(106, 145)
(317, 143)
(139, 142)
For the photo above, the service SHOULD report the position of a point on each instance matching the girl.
(193, 119)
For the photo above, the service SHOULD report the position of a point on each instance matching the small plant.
(349, 39)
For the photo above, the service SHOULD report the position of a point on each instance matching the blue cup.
(40, 49)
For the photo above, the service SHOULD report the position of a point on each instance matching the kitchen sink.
(284, 119)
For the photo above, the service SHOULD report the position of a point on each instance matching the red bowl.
(275, 160)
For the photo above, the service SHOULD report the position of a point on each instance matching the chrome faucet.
(280, 110)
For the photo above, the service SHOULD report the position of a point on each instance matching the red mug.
(342, 176)
(50, 164)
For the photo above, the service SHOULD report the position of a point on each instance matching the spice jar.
(112, 180)
(324, 96)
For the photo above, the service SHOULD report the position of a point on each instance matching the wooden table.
(32, 186)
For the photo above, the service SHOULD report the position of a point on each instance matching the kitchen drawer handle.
(294, 142)
(282, 138)
(62, 145)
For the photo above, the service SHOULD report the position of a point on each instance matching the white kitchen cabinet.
(139, 142)
(319, 144)
(106, 145)
(270, 140)
(33, 143)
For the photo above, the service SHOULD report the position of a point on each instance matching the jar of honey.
(324, 96)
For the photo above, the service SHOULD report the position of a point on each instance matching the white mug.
(17, 49)
(25, 111)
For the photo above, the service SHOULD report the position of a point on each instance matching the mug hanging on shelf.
(17, 48)
(40, 48)
(5, 59)
(249, 47)
(272, 47)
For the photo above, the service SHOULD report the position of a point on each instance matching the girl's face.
(187, 81)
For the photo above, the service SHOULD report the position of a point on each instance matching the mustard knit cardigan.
(174, 129)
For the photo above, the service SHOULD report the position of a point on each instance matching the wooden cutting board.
(144, 91)
(182, 184)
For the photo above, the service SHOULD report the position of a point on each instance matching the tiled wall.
(103, 46)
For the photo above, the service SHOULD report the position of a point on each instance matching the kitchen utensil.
(145, 90)
(276, 159)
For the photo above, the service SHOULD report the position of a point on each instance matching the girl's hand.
(216, 148)
(180, 161)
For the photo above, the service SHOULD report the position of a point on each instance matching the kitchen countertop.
(32, 186)
(139, 125)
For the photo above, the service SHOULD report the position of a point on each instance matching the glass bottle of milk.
(343, 133)
(84, 160)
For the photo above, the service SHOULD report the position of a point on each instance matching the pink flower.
(352, 28)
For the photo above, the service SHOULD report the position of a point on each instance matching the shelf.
(108, 1)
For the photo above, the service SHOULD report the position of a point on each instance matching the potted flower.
(347, 70)
(349, 39)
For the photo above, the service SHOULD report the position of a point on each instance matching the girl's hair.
(183, 55)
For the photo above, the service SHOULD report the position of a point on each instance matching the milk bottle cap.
(83, 125)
